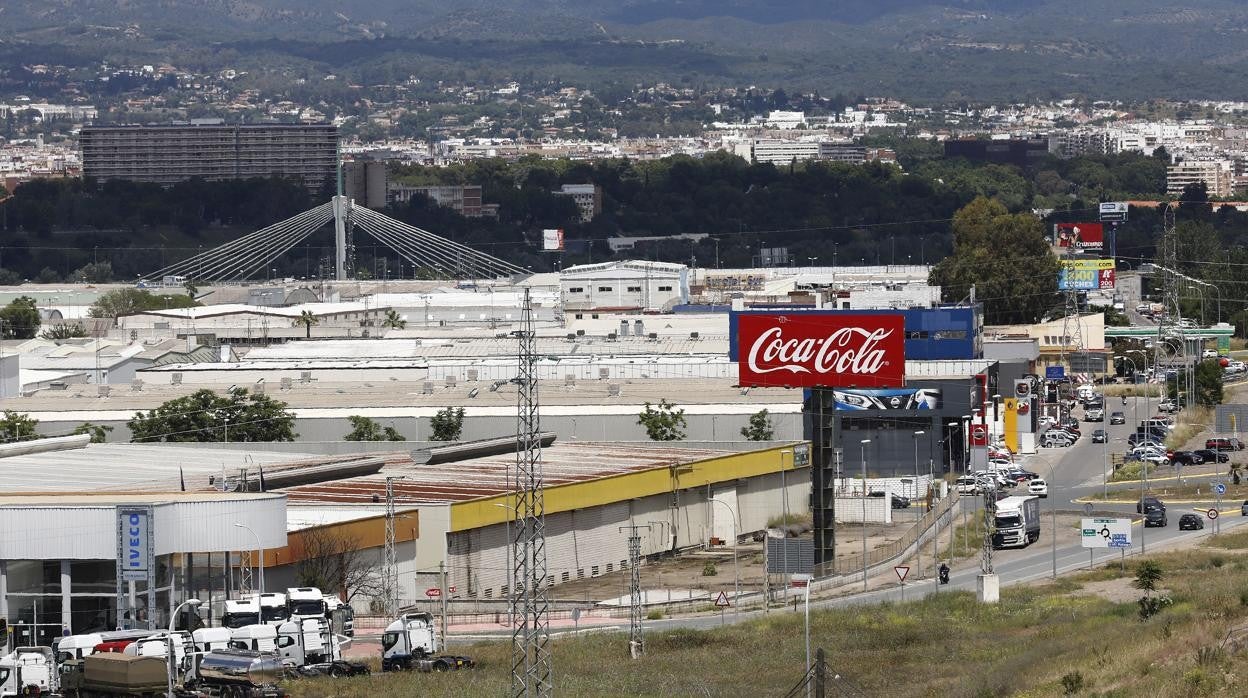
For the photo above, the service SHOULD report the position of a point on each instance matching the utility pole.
(531, 666)
(390, 569)
(636, 646)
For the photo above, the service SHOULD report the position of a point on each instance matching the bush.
(709, 570)
(656, 614)
(1072, 683)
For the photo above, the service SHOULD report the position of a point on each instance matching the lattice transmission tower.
(531, 665)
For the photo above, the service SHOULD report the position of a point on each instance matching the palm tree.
(394, 321)
(307, 318)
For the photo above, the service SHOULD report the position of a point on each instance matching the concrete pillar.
(67, 618)
(4, 589)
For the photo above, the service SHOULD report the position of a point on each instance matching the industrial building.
(211, 150)
(624, 286)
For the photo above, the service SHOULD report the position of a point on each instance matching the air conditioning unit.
(472, 375)
(176, 378)
(427, 388)
(604, 373)
(450, 381)
(101, 390)
(613, 389)
(305, 376)
(136, 386)
(285, 383)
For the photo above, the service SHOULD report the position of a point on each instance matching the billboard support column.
(136, 561)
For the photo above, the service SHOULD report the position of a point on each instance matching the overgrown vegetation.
(365, 429)
(237, 416)
(447, 424)
(664, 423)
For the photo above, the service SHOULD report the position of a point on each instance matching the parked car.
(1025, 475)
(1155, 518)
(1168, 405)
(1243, 508)
(1099, 436)
(1191, 522)
(898, 501)
(1038, 487)
(1056, 438)
(1224, 444)
(1213, 456)
(966, 485)
(1069, 423)
(1186, 458)
(1094, 415)
(1207, 354)
(1117, 418)
(1148, 503)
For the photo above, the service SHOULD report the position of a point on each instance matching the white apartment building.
(1217, 176)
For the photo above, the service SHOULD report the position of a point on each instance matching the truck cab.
(212, 639)
(306, 641)
(80, 646)
(305, 602)
(28, 671)
(242, 612)
(274, 608)
(1017, 522)
(408, 638)
(257, 638)
(340, 615)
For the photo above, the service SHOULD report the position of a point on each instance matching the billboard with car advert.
(1086, 275)
(887, 399)
(1079, 236)
(808, 350)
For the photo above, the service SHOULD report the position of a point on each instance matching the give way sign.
(902, 571)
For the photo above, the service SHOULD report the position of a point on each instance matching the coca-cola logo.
(821, 349)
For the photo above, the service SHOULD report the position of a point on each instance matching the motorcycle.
(944, 574)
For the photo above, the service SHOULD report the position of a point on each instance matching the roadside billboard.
(1086, 275)
(552, 240)
(887, 399)
(1079, 236)
(821, 350)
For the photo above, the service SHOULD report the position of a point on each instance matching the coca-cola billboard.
(808, 350)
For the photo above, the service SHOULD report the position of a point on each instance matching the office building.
(588, 198)
(211, 150)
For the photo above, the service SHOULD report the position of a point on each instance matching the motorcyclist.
(1124, 400)
(944, 573)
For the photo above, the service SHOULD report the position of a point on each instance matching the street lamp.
(949, 443)
(172, 658)
(918, 549)
(259, 553)
(862, 454)
(736, 570)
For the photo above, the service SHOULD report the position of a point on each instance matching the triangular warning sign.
(722, 600)
(902, 571)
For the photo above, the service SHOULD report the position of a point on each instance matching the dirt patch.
(1114, 590)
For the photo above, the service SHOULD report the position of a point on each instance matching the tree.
(127, 301)
(99, 432)
(63, 330)
(365, 429)
(663, 424)
(336, 563)
(1209, 383)
(307, 318)
(206, 416)
(760, 428)
(1005, 257)
(1147, 575)
(94, 273)
(447, 424)
(191, 288)
(19, 319)
(17, 427)
(394, 321)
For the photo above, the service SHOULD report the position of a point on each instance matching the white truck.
(1017, 522)
(340, 614)
(307, 646)
(411, 642)
(79, 646)
(241, 612)
(28, 671)
(305, 602)
(274, 608)
(257, 638)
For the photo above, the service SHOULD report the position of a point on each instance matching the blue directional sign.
(1054, 373)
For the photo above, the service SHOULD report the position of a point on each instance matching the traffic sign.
(1219, 488)
(800, 581)
(1212, 513)
(1054, 373)
(450, 590)
(1113, 212)
(1105, 533)
(433, 593)
(902, 571)
(722, 600)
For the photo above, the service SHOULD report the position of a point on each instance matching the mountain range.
(1196, 48)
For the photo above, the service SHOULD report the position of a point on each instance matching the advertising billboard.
(552, 240)
(1079, 236)
(887, 399)
(821, 350)
(1086, 275)
(134, 544)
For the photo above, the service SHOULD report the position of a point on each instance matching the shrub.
(656, 614)
(1072, 683)
(709, 570)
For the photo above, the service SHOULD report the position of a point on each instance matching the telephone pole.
(635, 644)
(390, 568)
(531, 666)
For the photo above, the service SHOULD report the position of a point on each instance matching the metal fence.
(889, 551)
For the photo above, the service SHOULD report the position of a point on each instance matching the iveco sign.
(809, 350)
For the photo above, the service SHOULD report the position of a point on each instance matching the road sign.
(1105, 533)
(433, 593)
(800, 581)
(450, 590)
(722, 600)
(576, 614)
(1219, 488)
(1113, 212)
(1054, 373)
(901, 571)
(789, 555)
(1212, 513)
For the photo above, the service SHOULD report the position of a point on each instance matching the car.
(1155, 458)
(1099, 436)
(1094, 415)
(1047, 421)
(1038, 487)
(1243, 508)
(1055, 438)
(1001, 463)
(1191, 522)
(1186, 458)
(1156, 518)
(1147, 503)
(1141, 451)
(1117, 418)
(1206, 354)
(1024, 475)
(898, 501)
(1069, 423)
(966, 485)
(1224, 444)
(1168, 405)
(1213, 456)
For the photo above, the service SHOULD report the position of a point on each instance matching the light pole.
(862, 453)
(949, 443)
(736, 570)
(172, 658)
(259, 553)
(227, 429)
(918, 549)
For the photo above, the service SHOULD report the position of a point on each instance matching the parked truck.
(28, 671)
(226, 673)
(1017, 522)
(410, 642)
(307, 646)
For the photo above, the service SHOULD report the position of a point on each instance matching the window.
(665, 288)
(604, 289)
(635, 289)
(576, 289)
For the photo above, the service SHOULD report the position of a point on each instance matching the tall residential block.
(168, 154)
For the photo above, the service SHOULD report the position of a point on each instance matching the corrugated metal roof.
(487, 476)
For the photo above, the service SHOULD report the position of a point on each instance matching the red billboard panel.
(1080, 236)
(821, 350)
